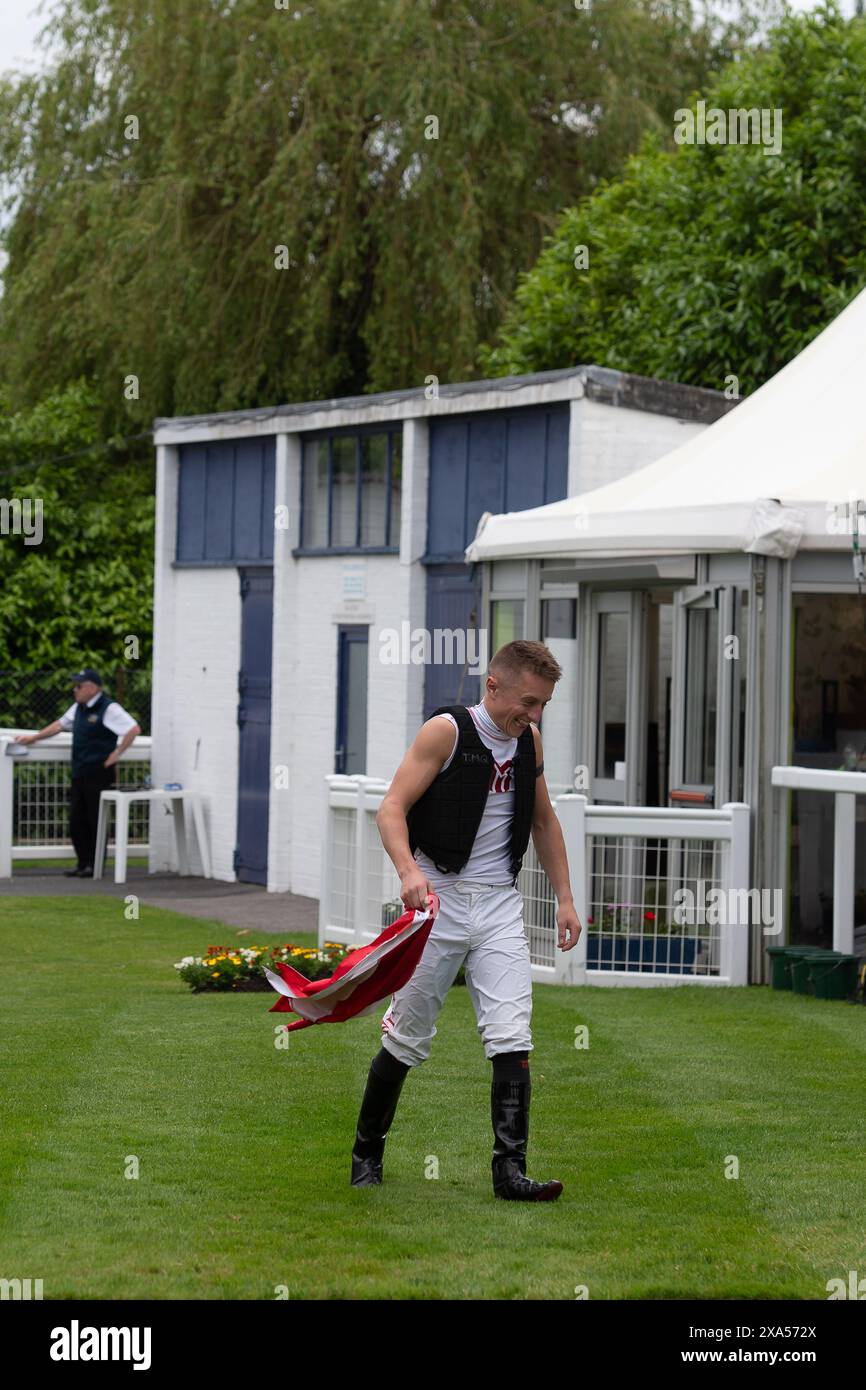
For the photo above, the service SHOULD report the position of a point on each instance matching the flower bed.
(241, 968)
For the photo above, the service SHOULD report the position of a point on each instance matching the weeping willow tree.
(219, 204)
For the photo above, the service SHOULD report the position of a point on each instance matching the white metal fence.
(845, 787)
(34, 797)
(662, 894)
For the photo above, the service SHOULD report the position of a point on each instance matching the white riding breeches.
(481, 924)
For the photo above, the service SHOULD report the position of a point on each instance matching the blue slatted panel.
(219, 504)
(190, 502)
(226, 501)
(525, 472)
(556, 483)
(449, 445)
(488, 448)
(248, 498)
(492, 461)
(266, 532)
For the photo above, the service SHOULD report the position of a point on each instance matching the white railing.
(626, 864)
(663, 894)
(34, 797)
(845, 787)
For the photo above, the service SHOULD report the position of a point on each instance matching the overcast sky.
(21, 20)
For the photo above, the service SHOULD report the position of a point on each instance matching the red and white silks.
(363, 979)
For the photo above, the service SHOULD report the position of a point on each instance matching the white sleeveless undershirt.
(490, 858)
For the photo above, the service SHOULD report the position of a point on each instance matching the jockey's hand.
(415, 889)
(568, 925)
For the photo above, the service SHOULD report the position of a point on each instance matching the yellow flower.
(216, 975)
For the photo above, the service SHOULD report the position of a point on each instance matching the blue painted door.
(453, 605)
(351, 751)
(254, 724)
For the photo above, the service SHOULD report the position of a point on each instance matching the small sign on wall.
(354, 579)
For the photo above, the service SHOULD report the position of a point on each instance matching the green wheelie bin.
(833, 978)
(800, 961)
(782, 959)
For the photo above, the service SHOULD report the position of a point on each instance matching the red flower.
(589, 919)
(649, 916)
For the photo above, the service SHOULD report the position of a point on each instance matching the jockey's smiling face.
(513, 705)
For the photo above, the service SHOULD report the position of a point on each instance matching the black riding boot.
(378, 1107)
(509, 1108)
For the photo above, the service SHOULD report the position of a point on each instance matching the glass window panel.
(507, 621)
(558, 618)
(740, 689)
(702, 649)
(315, 492)
(662, 695)
(558, 723)
(344, 498)
(396, 486)
(355, 693)
(374, 471)
(612, 675)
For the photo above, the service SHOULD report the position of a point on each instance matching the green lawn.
(36, 866)
(244, 1149)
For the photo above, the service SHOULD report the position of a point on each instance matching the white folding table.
(187, 813)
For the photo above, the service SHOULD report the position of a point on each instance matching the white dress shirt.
(115, 717)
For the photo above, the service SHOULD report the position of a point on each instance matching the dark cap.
(88, 674)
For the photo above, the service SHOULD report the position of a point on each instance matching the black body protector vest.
(445, 820)
(92, 741)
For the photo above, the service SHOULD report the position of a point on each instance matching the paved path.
(235, 904)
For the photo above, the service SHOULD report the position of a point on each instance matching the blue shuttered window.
(494, 461)
(226, 502)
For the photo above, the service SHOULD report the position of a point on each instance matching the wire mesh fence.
(32, 699)
(637, 920)
(654, 905)
(40, 805)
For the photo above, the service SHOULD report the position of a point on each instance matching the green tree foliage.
(172, 147)
(715, 259)
(76, 594)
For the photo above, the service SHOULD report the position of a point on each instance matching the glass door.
(706, 663)
(617, 697)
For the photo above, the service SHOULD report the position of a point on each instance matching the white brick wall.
(310, 647)
(195, 734)
(608, 441)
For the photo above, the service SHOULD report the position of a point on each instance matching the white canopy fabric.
(778, 473)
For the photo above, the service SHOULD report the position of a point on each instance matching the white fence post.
(843, 873)
(7, 785)
(845, 787)
(735, 951)
(570, 966)
(325, 891)
(360, 860)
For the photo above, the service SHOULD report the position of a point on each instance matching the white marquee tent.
(777, 474)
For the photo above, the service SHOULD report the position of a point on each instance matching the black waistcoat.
(445, 820)
(92, 741)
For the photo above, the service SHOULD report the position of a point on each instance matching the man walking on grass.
(96, 722)
(456, 821)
